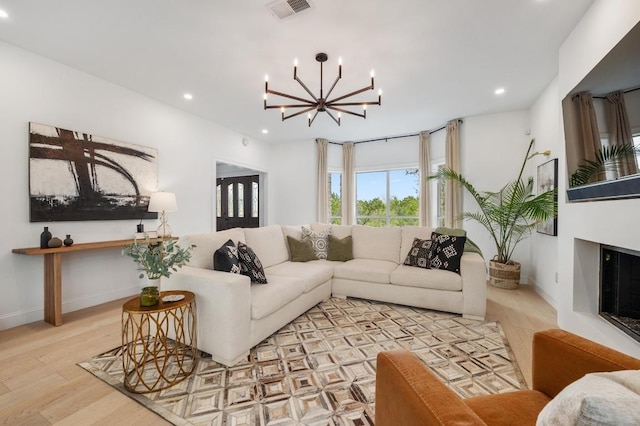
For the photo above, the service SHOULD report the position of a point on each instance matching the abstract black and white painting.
(78, 176)
(547, 181)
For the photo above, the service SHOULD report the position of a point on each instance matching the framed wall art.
(77, 176)
(547, 180)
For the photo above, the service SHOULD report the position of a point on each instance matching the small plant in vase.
(156, 258)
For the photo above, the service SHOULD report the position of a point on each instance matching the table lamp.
(163, 202)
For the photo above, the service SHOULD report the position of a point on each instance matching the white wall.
(584, 225)
(546, 116)
(36, 89)
(493, 147)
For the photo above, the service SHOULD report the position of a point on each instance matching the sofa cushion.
(226, 258)
(446, 252)
(420, 253)
(340, 249)
(377, 243)
(319, 241)
(436, 279)
(376, 271)
(312, 274)
(339, 231)
(207, 244)
(267, 299)
(250, 264)
(300, 250)
(410, 233)
(268, 243)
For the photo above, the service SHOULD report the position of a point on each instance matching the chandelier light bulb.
(265, 96)
(266, 77)
(372, 74)
(364, 107)
(340, 60)
(295, 62)
(379, 92)
(282, 110)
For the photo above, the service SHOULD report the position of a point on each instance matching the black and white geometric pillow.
(446, 252)
(250, 264)
(226, 258)
(420, 253)
(319, 241)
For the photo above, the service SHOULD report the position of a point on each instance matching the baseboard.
(15, 319)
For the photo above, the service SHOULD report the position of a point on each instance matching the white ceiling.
(434, 59)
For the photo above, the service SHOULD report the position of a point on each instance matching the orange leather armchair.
(407, 393)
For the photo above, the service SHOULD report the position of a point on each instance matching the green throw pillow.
(301, 251)
(454, 232)
(340, 250)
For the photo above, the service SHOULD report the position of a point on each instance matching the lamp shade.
(163, 202)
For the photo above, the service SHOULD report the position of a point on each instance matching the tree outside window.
(335, 198)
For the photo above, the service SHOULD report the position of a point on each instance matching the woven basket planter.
(504, 275)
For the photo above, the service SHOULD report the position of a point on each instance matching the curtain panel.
(424, 172)
(453, 191)
(348, 185)
(620, 130)
(323, 181)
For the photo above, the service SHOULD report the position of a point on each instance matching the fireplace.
(620, 288)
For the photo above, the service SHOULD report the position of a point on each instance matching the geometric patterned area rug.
(320, 369)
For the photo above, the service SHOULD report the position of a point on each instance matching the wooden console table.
(53, 272)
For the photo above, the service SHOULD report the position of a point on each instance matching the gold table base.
(159, 347)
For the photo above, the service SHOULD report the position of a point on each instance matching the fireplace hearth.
(620, 288)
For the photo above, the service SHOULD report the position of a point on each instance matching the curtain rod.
(393, 137)
(604, 97)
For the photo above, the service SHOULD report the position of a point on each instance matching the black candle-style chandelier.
(321, 103)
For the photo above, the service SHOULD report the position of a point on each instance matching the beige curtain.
(588, 126)
(323, 181)
(424, 172)
(453, 191)
(620, 129)
(348, 185)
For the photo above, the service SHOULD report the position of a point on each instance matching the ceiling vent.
(282, 9)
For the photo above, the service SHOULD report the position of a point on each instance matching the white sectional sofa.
(234, 315)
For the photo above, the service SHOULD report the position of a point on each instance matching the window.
(387, 197)
(335, 198)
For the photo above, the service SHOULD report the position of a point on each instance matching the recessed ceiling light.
(188, 96)
(499, 91)
(3, 14)
(265, 131)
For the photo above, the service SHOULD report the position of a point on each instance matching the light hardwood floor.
(40, 383)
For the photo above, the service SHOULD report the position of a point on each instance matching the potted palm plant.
(509, 215)
(156, 258)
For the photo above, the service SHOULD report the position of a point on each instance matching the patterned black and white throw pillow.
(420, 253)
(319, 241)
(250, 264)
(446, 252)
(226, 258)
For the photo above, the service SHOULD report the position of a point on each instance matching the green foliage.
(607, 158)
(373, 212)
(509, 214)
(157, 257)
(336, 205)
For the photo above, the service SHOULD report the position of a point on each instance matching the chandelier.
(320, 103)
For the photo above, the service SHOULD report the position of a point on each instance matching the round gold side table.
(159, 347)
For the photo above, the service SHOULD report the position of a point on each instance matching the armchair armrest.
(560, 358)
(408, 394)
(224, 310)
